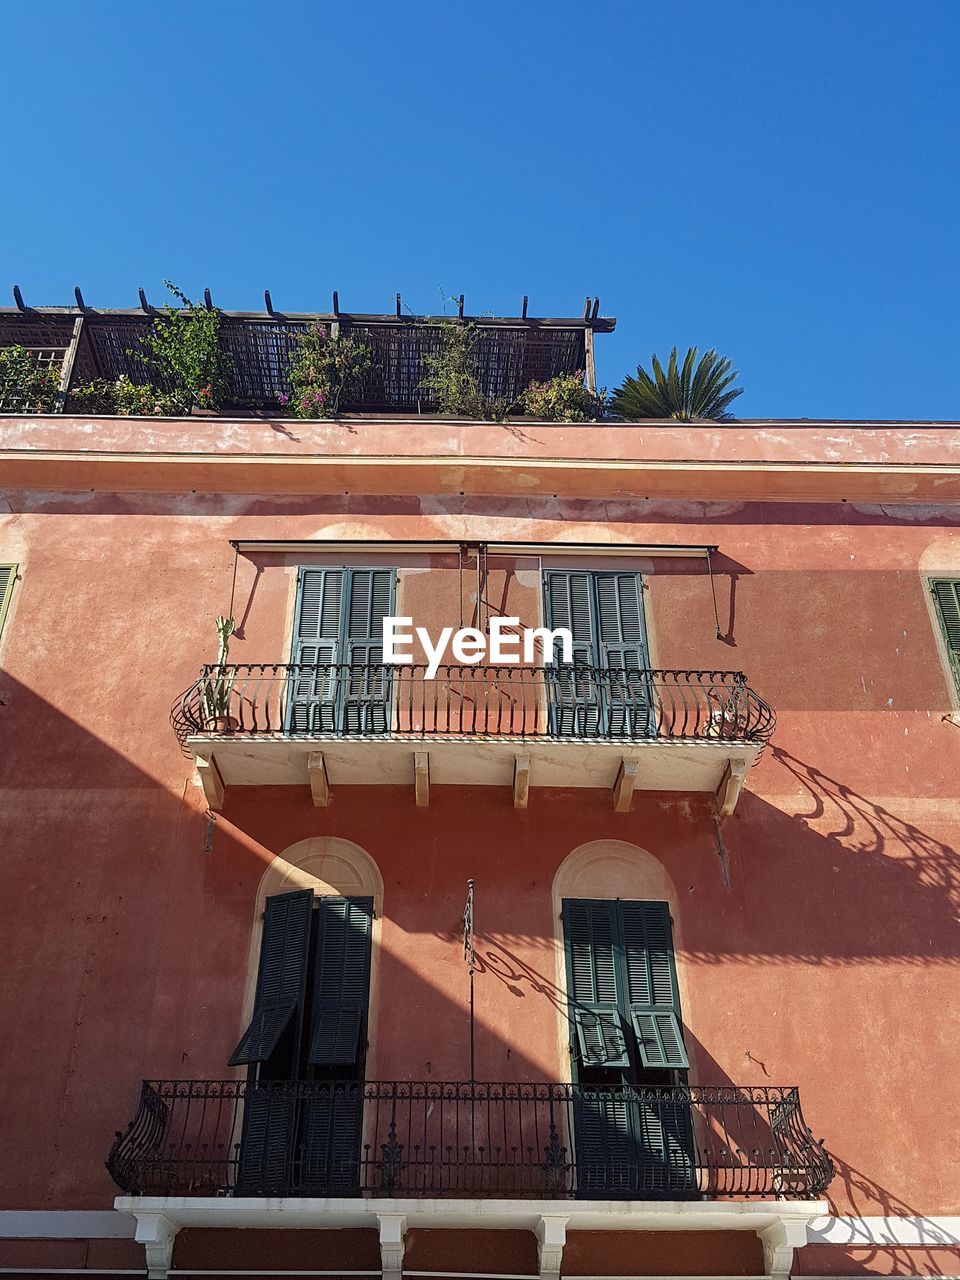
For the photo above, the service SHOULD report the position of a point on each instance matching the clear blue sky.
(779, 180)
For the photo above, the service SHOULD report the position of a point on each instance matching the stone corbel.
(779, 1241)
(156, 1233)
(393, 1227)
(551, 1237)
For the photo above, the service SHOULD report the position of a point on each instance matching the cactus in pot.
(219, 682)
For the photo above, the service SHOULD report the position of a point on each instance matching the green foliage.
(564, 399)
(183, 352)
(452, 378)
(687, 394)
(26, 386)
(451, 375)
(122, 397)
(324, 371)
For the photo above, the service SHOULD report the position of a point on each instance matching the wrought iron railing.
(384, 1138)
(559, 701)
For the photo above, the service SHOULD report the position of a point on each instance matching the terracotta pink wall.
(831, 962)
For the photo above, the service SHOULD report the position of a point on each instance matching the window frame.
(950, 657)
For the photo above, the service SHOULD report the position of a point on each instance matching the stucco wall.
(831, 962)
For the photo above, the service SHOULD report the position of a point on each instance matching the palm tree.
(686, 394)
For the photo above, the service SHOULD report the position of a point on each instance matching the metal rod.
(470, 955)
(497, 547)
(713, 591)
(460, 566)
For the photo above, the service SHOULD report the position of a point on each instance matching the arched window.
(305, 1045)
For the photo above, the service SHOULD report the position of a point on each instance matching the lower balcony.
(393, 1140)
(553, 726)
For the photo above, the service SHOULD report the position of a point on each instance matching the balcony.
(386, 1139)
(84, 343)
(550, 726)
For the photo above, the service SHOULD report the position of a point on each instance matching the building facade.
(642, 965)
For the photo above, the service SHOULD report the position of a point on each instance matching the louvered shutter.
(332, 1129)
(265, 1166)
(664, 1129)
(575, 693)
(946, 592)
(8, 575)
(341, 981)
(606, 1149)
(315, 685)
(653, 993)
(367, 695)
(589, 933)
(623, 652)
(281, 976)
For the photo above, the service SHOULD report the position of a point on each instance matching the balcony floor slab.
(283, 760)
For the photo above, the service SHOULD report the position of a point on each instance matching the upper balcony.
(82, 345)
(549, 726)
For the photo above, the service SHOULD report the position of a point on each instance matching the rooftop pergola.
(88, 343)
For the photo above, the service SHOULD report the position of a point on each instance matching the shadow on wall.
(865, 1198)
(838, 849)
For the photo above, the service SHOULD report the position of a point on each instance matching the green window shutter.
(366, 701)
(8, 576)
(570, 604)
(653, 993)
(589, 930)
(620, 618)
(316, 644)
(281, 977)
(946, 593)
(623, 649)
(575, 695)
(341, 981)
(606, 1145)
(332, 1129)
(265, 1165)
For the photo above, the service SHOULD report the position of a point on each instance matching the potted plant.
(218, 685)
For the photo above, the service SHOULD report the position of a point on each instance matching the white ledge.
(780, 1225)
(583, 1215)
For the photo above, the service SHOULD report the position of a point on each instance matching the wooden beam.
(421, 778)
(521, 781)
(69, 360)
(731, 784)
(319, 785)
(212, 779)
(591, 369)
(623, 787)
